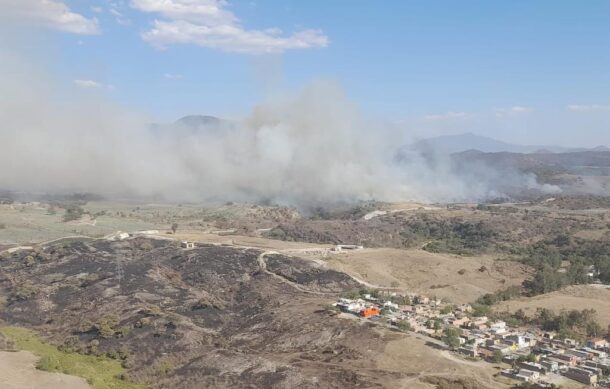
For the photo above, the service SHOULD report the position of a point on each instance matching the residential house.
(581, 375)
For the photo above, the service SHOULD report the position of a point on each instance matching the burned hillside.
(212, 316)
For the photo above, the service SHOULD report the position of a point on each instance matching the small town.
(537, 358)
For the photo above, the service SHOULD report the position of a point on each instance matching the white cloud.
(171, 76)
(449, 116)
(514, 110)
(208, 12)
(87, 84)
(520, 109)
(589, 108)
(208, 23)
(119, 17)
(53, 14)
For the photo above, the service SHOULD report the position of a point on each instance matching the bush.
(24, 291)
(404, 326)
(163, 367)
(73, 212)
(106, 327)
(497, 356)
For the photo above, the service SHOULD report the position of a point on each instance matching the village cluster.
(536, 357)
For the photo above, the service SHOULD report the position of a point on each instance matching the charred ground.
(208, 316)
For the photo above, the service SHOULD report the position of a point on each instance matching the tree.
(404, 326)
(453, 341)
(174, 227)
(452, 337)
(497, 357)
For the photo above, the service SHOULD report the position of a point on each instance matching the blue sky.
(522, 71)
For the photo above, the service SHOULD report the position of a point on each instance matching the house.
(342, 247)
(599, 364)
(459, 322)
(527, 375)
(597, 343)
(187, 245)
(550, 365)
(469, 350)
(368, 312)
(533, 367)
(580, 355)
(549, 335)
(595, 353)
(518, 340)
(503, 348)
(567, 359)
(390, 305)
(581, 375)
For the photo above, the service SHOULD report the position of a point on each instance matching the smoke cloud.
(309, 149)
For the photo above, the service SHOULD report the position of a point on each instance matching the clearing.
(573, 297)
(455, 278)
(18, 371)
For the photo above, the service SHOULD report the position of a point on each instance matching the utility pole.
(119, 270)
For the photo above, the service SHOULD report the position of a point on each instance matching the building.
(187, 245)
(549, 365)
(518, 340)
(567, 359)
(597, 343)
(527, 375)
(469, 350)
(369, 312)
(344, 247)
(533, 367)
(390, 305)
(581, 375)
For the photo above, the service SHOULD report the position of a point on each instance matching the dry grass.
(574, 297)
(412, 356)
(430, 273)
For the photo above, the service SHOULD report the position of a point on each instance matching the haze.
(319, 101)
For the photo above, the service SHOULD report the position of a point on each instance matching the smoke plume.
(308, 149)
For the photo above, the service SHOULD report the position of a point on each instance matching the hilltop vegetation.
(100, 372)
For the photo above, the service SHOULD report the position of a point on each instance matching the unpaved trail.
(18, 371)
(262, 264)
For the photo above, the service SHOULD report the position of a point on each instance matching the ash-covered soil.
(206, 317)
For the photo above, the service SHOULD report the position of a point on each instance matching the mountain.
(449, 144)
(193, 125)
(197, 122)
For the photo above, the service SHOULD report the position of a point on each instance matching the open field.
(101, 373)
(430, 273)
(18, 371)
(32, 223)
(39, 222)
(411, 356)
(573, 297)
(242, 240)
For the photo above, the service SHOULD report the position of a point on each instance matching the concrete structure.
(581, 375)
(533, 367)
(597, 343)
(187, 245)
(527, 375)
(469, 350)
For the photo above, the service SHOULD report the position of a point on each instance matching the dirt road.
(18, 371)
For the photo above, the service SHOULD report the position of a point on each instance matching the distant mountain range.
(193, 125)
(450, 144)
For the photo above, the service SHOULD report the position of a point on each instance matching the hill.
(449, 144)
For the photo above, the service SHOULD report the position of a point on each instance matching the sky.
(535, 72)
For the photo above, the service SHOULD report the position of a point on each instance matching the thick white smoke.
(313, 148)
